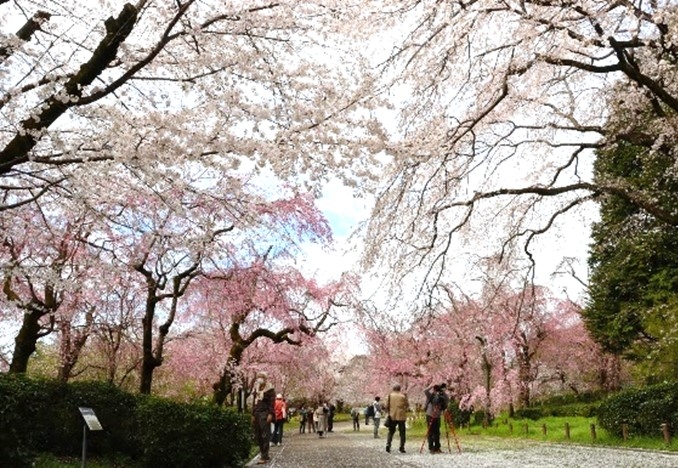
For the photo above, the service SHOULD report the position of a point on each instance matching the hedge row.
(587, 410)
(43, 416)
(642, 410)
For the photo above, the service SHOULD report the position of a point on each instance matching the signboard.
(90, 419)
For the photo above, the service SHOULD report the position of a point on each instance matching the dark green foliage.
(114, 409)
(23, 422)
(643, 409)
(479, 417)
(460, 417)
(43, 416)
(192, 435)
(633, 285)
(533, 413)
(569, 404)
(585, 410)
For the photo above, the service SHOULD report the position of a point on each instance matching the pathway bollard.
(666, 433)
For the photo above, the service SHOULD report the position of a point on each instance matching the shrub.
(192, 434)
(18, 419)
(39, 415)
(115, 410)
(460, 417)
(585, 410)
(532, 413)
(643, 409)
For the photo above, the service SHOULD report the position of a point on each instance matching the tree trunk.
(524, 378)
(148, 363)
(25, 342)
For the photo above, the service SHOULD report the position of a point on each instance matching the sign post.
(91, 422)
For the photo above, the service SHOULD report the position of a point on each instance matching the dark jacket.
(266, 403)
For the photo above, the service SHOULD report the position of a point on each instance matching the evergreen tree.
(634, 256)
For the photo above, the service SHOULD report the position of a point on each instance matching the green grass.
(528, 430)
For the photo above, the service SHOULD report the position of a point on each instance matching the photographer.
(437, 402)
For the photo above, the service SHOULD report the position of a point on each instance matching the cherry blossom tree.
(261, 302)
(502, 105)
(151, 84)
(45, 268)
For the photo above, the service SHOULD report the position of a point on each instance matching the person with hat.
(263, 414)
(280, 410)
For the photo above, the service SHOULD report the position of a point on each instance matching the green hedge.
(43, 416)
(190, 435)
(642, 409)
(586, 410)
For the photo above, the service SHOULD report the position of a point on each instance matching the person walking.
(355, 416)
(280, 412)
(321, 418)
(263, 413)
(437, 402)
(310, 420)
(330, 417)
(396, 407)
(378, 409)
(303, 414)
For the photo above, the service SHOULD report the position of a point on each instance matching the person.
(263, 413)
(302, 420)
(321, 413)
(378, 409)
(355, 416)
(396, 407)
(280, 418)
(437, 402)
(310, 421)
(330, 417)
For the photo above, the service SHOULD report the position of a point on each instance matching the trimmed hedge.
(39, 415)
(642, 409)
(586, 410)
(190, 435)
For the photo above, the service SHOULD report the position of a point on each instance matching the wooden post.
(510, 428)
(593, 431)
(527, 429)
(625, 431)
(543, 429)
(567, 431)
(666, 433)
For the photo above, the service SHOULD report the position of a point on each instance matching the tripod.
(436, 418)
(449, 426)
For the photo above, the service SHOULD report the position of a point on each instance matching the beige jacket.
(396, 406)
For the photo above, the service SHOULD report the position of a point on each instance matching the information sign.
(90, 419)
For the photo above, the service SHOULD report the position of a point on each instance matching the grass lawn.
(551, 429)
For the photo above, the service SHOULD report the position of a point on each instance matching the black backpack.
(370, 411)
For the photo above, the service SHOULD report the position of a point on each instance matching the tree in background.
(46, 269)
(502, 349)
(634, 254)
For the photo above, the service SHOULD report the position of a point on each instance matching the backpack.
(369, 412)
(438, 402)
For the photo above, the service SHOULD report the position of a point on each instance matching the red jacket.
(280, 410)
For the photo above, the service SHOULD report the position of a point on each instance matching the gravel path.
(345, 448)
